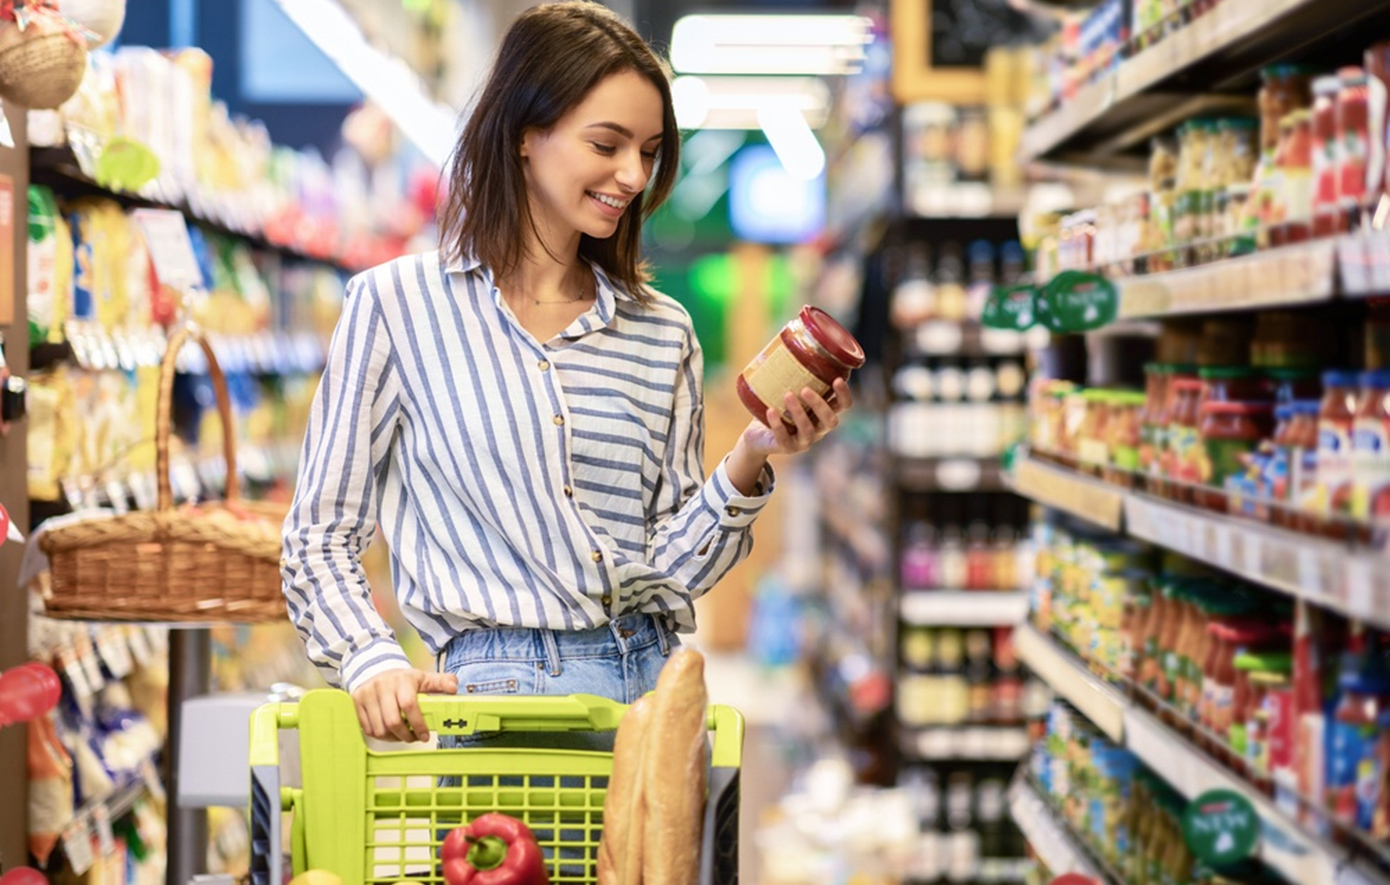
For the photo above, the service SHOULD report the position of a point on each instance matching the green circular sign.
(1221, 828)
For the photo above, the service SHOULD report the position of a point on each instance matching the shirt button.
(569, 492)
(606, 601)
(732, 511)
(559, 420)
(543, 365)
(596, 556)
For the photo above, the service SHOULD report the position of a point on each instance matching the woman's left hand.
(813, 416)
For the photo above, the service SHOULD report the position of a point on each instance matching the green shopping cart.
(378, 818)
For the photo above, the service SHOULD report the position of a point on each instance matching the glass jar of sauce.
(1371, 448)
(1291, 383)
(1293, 162)
(1353, 138)
(1327, 217)
(1183, 439)
(1231, 432)
(1336, 417)
(812, 350)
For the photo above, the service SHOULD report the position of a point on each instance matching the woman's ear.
(527, 138)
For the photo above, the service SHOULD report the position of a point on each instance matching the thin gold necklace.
(583, 296)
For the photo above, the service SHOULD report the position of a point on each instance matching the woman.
(521, 415)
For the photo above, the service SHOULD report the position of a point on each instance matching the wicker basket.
(41, 66)
(213, 562)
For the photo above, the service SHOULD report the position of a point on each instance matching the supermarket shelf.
(1341, 576)
(1053, 841)
(949, 474)
(1066, 490)
(1284, 846)
(1301, 274)
(1346, 577)
(982, 743)
(963, 608)
(57, 168)
(1222, 46)
(1099, 702)
(945, 338)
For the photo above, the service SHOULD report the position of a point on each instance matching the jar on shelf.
(1290, 383)
(1156, 377)
(1237, 155)
(1189, 212)
(1125, 436)
(1327, 218)
(1284, 89)
(1223, 384)
(1353, 140)
(1371, 448)
(1292, 220)
(1231, 432)
(1336, 417)
(1377, 62)
(1183, 437)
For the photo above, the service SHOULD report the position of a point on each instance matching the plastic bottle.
(1370, 448)
(1336, 416)
(981, 257)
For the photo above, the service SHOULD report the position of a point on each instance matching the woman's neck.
(548, 270)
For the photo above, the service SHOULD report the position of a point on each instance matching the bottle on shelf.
(948, 281)
(914, 299)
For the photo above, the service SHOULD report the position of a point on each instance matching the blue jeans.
(620, 661)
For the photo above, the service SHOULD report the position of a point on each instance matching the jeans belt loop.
(552, 652)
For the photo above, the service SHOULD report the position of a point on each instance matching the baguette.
(620, 847)
(674, 773)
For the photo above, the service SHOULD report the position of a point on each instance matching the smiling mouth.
(607, 200)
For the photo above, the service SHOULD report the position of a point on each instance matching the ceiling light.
(793, 142)
(385, 79)
(734, 102)
(769, 44)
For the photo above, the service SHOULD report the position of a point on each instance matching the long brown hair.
(550, 59)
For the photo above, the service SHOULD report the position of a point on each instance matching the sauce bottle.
(1370, 448)
(1336, 416)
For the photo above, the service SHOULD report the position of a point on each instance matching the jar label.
(777, 371)
(1224, 458)
(1370, 468)
(1334, 464)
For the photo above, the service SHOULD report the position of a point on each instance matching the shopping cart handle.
(450, 714)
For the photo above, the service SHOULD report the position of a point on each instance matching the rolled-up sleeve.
(333, 516)
(702, 527)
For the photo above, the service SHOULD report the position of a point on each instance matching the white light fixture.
(385, 79)
(734, 102)
(769, 44)
(793, 142)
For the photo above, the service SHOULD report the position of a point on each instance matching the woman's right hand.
(387, 704)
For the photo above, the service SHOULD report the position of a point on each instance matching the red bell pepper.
(494, 849)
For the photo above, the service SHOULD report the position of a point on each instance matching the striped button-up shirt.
(520, 483)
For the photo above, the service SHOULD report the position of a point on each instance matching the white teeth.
(604, 198)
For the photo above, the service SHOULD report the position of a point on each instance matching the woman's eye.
(605, 149)
(650, 156)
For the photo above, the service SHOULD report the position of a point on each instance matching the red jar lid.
(835, 338)
(1242, 409)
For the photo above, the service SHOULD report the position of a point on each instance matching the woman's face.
(582, 174)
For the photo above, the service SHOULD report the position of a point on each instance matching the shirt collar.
(608, 292)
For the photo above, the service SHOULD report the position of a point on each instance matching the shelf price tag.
(1076, 301)
(1221, 828)
(77, 844)
(171, 249)
(101, 822)
(1013, 308)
